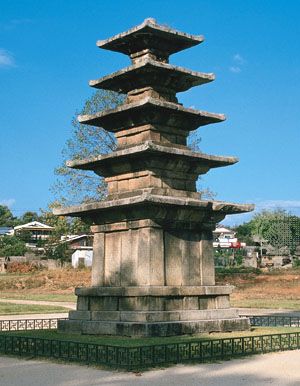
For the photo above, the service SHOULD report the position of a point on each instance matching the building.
(32, 232)
(78, 241)
(5, 231)
(226, 238)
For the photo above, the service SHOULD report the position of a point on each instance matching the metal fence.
(29, 324)
(274, 321)
(145, 356)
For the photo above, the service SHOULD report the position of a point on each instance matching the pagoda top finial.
(150, 38)
(150, 20)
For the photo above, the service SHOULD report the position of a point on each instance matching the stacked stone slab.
(153, 264)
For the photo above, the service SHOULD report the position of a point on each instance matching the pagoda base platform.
(146, 329)
(153, 311)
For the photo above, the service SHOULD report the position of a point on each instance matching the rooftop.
(150, 36)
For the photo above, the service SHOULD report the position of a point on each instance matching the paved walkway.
(242, 311)
(34, 316)
(278, 369)
(70, 305)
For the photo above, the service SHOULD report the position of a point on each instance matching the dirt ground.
(280, 369)
(284, 284)
(60, 281)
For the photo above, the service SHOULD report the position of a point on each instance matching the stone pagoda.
(153, 264)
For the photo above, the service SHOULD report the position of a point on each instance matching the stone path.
(278, 369)
(34, 316)
(70, 305)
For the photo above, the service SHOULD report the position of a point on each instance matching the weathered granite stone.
(151, 111)
(151, 74)
(153, 265)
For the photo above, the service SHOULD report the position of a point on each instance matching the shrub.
(21, 267)
(237, 270)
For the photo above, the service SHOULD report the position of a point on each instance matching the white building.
(33, 232)
(82, 257)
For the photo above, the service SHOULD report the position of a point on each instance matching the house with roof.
(5, 231)
(82, 245)
(33, 232)
(225, 238)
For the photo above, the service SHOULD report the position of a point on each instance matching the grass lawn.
(133, 342)
(292, 304)
(44, 297)
(18, 309)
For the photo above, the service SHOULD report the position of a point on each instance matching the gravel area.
(278, 369)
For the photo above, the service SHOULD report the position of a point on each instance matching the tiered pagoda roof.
(152, 165)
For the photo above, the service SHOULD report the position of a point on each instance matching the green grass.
(267, 303)
(18, 309)
(133, 342)
(43, 297)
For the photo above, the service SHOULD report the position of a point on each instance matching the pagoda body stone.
(153, 266)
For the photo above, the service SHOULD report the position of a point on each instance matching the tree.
(6, 217)
(29, 217)
(244, 233)
(76, 186)
(62, 225)
(12, 246)
(277, 228)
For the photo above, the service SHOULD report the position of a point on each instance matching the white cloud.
(6, 59)
(237, 58)
(238, 62)
(235, 69)
(8, 202)
(14, 23)
(291, 206)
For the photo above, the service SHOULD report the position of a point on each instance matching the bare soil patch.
(272, 286)
(59, 281)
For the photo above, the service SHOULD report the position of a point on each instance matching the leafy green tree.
(58, 252)
(12, 246)
(276, 228)
(244, 233)
(7, 219)
(61, 224)
(76, 186)
(28, 217)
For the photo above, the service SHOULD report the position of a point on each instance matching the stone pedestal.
(153, 264)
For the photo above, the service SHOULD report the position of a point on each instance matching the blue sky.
(48, 54)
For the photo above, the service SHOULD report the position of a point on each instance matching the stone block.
(98, 259)
(222, 302)
(99, 328)
(69, 326)
(79, 315)
(82, 303)
(105, 315)
(173, 303)
(190, 303)
(206, 303)
(104, 303)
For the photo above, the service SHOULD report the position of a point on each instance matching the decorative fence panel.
(274, 321)
(145, 356)
(29, 324)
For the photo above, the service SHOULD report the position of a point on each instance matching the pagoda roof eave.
(86, 210)
(167, 113)
(151, 36)
(150, 147)
(135, 76)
